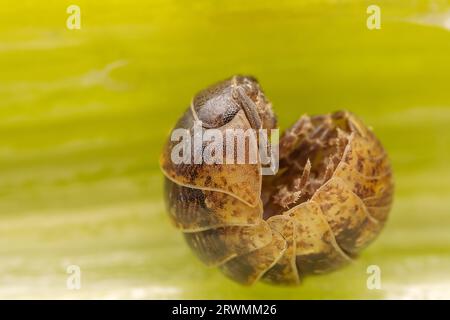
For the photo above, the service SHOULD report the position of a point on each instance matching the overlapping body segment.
(328, 201)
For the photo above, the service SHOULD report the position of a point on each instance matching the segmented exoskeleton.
(329, 199)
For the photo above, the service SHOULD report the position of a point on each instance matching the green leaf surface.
(84, 114)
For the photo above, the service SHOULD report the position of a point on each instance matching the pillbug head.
(217, 105)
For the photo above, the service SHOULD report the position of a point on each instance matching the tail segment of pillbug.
(328, 201)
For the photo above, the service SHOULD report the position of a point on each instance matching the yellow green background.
(84, 114)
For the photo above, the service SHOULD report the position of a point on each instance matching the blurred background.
(84, 114)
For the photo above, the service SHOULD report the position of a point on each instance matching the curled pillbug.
(329, 199)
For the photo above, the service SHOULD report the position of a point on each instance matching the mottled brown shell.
(329, 199)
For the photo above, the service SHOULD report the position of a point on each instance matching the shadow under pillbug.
(328, 201)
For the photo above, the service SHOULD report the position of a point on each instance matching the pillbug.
(329, 199)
